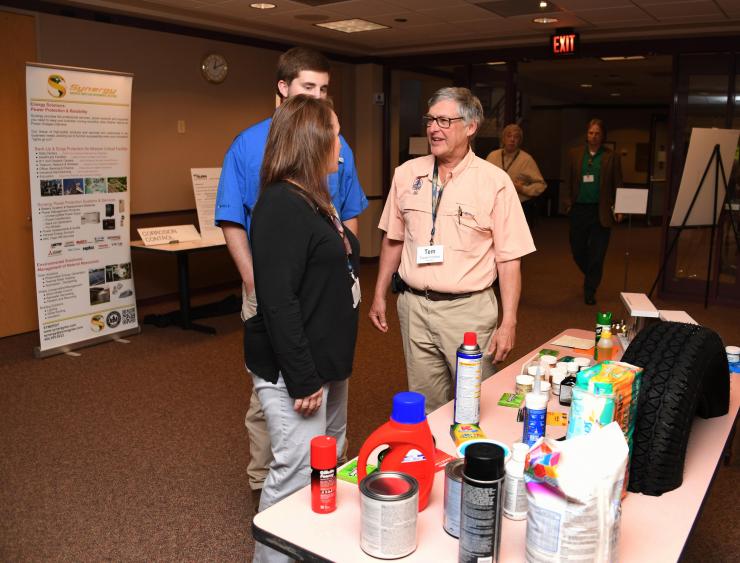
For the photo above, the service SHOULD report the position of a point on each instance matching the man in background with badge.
(594, 174)
(453, 225)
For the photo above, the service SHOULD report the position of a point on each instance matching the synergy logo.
(57, 87)
(97, 323)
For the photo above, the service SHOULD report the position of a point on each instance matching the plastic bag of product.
(622, 381)
(574, 494)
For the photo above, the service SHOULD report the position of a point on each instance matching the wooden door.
(17, 278)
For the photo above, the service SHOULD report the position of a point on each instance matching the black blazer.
(305, 326)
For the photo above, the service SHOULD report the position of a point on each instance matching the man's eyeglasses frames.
(442, 121)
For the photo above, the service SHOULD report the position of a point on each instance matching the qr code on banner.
(129, 316)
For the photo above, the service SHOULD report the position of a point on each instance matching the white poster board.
(631, 201)
(205, 187)
(79, 126)
(701, 145)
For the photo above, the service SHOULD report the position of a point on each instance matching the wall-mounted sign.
(564, 42)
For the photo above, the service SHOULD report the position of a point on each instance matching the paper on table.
(573, 342)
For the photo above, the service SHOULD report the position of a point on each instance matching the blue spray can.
(468, 375)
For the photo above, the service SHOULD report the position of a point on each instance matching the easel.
(719, 167)
(627, 250)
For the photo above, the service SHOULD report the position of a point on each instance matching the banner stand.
(79, 150)
(39, 353)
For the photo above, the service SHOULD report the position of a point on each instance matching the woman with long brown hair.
(300, 345)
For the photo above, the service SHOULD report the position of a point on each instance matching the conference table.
(651, 529)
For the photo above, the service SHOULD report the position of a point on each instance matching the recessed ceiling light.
(262, 6)
(545, 20)
(630, 58)
(615, 94)
(352, 26)
(496, 63)
(586, 85)
(543, 4)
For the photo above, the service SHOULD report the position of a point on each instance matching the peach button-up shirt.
(479, 222)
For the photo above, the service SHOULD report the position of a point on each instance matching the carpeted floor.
(138, 451)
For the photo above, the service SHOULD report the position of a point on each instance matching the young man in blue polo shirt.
(300, 71)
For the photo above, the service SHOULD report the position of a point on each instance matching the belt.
(438, 295)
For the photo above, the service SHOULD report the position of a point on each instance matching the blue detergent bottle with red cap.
(407, 430)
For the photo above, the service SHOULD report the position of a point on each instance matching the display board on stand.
(692, 189)
(205, 188)
(79, 128)
(703, 190)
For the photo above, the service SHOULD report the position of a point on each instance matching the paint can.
(453, 486)
(389, 504)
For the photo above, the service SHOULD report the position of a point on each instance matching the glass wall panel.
(730, 226)
(704, 87)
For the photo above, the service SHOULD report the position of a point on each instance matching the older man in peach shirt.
(453, 224)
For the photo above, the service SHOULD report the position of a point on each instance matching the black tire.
(685, 373)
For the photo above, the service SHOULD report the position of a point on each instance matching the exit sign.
(564, 42)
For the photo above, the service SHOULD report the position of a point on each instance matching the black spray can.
(482, 502)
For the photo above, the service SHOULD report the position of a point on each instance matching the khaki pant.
(260, 454)
(432, 331)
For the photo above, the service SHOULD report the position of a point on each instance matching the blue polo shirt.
(239, 185)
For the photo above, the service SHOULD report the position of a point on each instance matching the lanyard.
(436, 198)
(506, 168)
(339, 228)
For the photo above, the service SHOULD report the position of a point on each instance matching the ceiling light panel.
(352, 26)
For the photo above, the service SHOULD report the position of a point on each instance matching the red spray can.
(323, 474)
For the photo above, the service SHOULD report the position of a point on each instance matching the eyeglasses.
(443, 122)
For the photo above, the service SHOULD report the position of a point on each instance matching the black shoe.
(589, 300)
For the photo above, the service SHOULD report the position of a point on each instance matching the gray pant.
(290, 438)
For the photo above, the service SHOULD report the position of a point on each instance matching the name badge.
(433, 254)
(356, 293)
(588, 178)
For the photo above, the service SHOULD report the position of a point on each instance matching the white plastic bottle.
(535, 413)
(515, 491)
